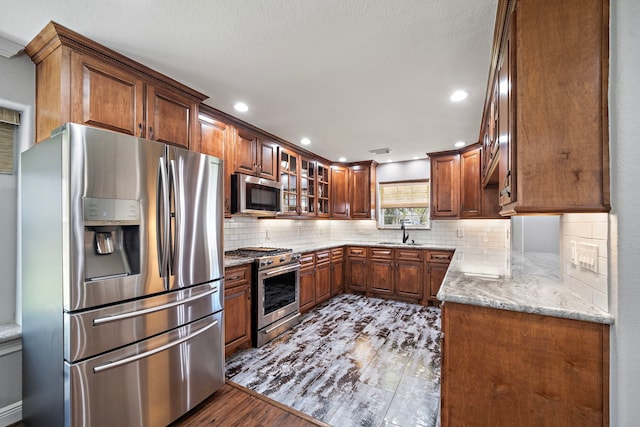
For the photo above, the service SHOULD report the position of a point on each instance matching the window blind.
(408, 194)
(9, 119)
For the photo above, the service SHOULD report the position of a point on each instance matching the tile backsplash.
(483, 245)
(591, 229)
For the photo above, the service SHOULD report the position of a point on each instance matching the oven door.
(278, 294)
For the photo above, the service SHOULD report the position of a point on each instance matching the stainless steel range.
(275, 293)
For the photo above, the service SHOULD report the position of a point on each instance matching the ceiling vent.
(380, 151)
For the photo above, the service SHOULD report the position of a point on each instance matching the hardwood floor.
(234, 405)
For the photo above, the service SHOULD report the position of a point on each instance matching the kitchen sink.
(399, 243)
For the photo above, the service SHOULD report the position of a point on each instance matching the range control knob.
(270, 262)
(283, 259)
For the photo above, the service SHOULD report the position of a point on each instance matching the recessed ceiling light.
(342, 159)
(460, 144)
(459, 95)
(416, 157)
(241, 106)
(389, 161)
(305, 141)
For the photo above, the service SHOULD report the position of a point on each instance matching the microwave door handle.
(162, 228)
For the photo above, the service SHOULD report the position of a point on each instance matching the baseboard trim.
(11, 414)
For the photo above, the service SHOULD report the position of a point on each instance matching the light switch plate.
(574, 253)
(588, 256)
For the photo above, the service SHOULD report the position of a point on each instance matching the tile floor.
(353, 361)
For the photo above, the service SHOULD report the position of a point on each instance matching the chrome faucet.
(405, 235)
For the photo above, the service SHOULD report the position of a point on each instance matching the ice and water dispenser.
(111, 238)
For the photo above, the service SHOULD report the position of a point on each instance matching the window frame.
(380, 220)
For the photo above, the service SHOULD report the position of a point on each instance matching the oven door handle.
(281, 270)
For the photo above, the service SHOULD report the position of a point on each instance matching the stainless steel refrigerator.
(122, 268)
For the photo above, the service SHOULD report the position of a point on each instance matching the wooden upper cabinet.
(549, 77)
(170, 116)
(104, 96)
(255, 156)
(361, 197)
(339, 192)
(470, 188)
(445, 186)
(78, 80)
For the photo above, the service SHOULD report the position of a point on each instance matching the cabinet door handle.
(233, 278)
(140, 130)
(150, 132)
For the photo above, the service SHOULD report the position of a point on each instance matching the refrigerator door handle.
(162, 219)
(137, 313)
(175, 215)
(127, 360)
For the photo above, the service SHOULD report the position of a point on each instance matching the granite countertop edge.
(526, 294)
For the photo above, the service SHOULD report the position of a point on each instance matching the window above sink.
(404, 202)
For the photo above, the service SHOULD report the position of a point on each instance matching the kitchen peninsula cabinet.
(254, 155)
(523, 369)
(237, 308)
(546, 110)
(78, 80)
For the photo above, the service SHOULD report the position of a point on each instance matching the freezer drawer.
(150, 383)
(90, 333)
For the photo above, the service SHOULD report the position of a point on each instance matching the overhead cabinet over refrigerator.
(122, 280)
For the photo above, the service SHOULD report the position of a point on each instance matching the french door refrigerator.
(122, 269)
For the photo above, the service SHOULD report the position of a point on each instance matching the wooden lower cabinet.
(380, 276)
(337, 271)
(409, 279)
(518, 369)
(356, 274)
(323, 276)
(307, 282)
(237, 309)
(437, 266)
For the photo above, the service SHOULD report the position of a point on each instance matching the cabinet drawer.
(409, 254)
(337, 253)
(384, 253)
(357, 252)
(440, 256)
(323, 257)
(237, 276)
(307, 260)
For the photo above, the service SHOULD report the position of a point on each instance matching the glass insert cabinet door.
(289, 181)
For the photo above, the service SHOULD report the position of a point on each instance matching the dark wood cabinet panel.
(356, 274)
(106, 96)
(268, 160)
(170, 117)
(359, 192)
(470, 186)
(445, 186)
(215, 139)
(307, 289)
(245, 153)
(380, 279)
(436, 274)
(409, 279)
(337, 277)
(339, 192)
(237, 308)
(81, 81)
(524, 369)
(323, 281)
(548, 90)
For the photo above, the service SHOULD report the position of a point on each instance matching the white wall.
(17, 91)
(624, 264)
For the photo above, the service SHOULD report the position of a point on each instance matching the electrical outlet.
(574, 253)
(460, 256)
(460, 232)
(267, 234)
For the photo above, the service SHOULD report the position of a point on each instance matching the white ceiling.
(351, 75)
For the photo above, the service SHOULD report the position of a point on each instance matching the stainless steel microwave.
(251, 195)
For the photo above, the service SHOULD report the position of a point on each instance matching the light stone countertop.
(533, 287)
